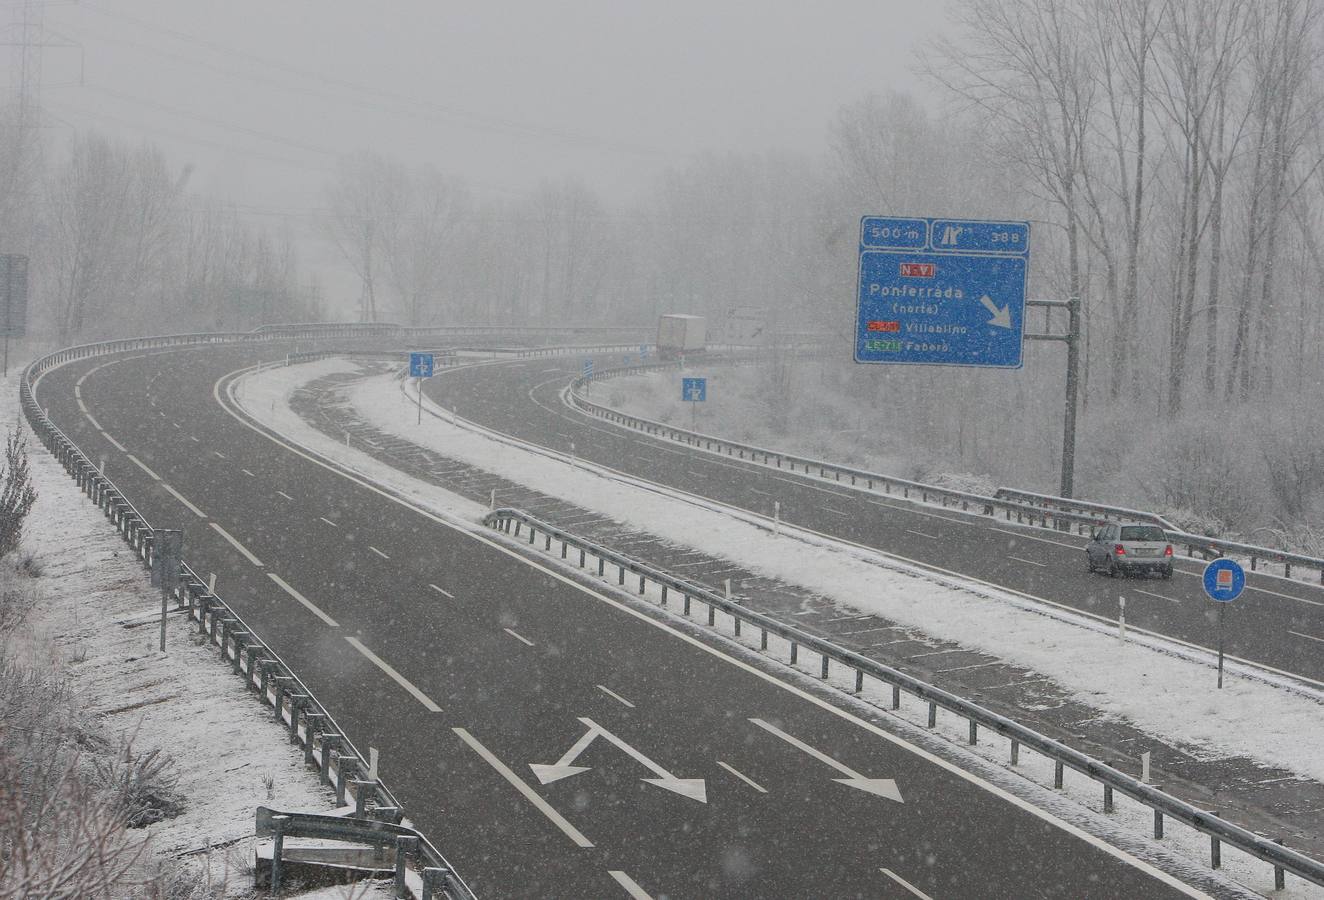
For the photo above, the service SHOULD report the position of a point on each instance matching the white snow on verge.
(99, 613)
(1159, 693)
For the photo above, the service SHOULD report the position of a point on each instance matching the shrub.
(16, 493)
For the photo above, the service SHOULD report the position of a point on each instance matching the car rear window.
(1143, 533)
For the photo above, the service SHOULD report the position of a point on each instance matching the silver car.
(1122, 548)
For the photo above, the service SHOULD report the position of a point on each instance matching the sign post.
(1224, 580)
(420, 367)
(941, 292)
(694, 391)
(167, 560)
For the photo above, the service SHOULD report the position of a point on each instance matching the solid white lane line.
(1028, 562)
(194, 439)
(932, 537)
(248, 473)
(519, 784)
(615, 696)
(631, 888)
(328, 521)
(118, 446)
(378, 552)
(285, 495)
(175, 424)
(285, 586)
(838, 512)
(905, 884)
(441, 591)
(984, 665)
(142, 465)
(235, 543)
(396, 676)
(1276, 594)
(95, 423)
(1309, 637)
(1159, 596)
(743, 777)
(220, 454)
(518, 637)
(182, 499)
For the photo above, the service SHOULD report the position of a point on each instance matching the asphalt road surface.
(672, 769)
(1276, 623)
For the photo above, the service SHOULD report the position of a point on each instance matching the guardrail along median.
(726, 616)
(1024, 507)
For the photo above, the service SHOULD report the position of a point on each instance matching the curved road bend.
(1277, 623)
(682, 772)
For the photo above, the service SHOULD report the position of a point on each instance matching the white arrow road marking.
(1001, 317)
(694, 788)
(563, 767)
(881, 787)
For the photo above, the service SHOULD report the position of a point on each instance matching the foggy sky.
(260, 97)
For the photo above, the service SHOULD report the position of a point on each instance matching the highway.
(1277, 623)
(671, 769)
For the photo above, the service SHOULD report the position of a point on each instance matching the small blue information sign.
(420, 365)
(1224, 580)
(694, 390)
(588, 368)
(941, 292)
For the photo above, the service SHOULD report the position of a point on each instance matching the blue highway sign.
(694, 390)
(588, 367)
(420, 365)
(941, 292)
(1224, 580)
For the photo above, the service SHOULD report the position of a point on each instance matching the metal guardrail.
(1220, 831)
(1042, 510)
(326, 746)
(438, 881)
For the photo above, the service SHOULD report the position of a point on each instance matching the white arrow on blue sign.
(941, 292)
(694, 390)
(420, 365)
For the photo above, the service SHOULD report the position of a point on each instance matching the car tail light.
(1119, 550)
(1168, 550)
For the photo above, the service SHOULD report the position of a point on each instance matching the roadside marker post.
(1224, 580)
(420, 367)
(167, 560)
(1121, 618)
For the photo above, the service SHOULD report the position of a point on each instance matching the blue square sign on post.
(941, 292)
(694, 390)
(420, 365)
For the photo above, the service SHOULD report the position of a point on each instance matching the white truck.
(680, 335)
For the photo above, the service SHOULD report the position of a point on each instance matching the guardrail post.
(1279, 874)
(974, 732)
(240, 645)
(1107, 798)
(433, 879)
(330, 744)
(641, 584)
(712, 615)
(763, 639)
(1057, 774)
(278, 824)
(404, 846)
(896, 696)
(664, 592)
(933, 714)
(1158, 824)
(362, 789)
(311, 722)
(859, 680)
(297, 702)
(795, 651)
(825, 666)
(1215, 852)
(621, 579)
(1015, 752)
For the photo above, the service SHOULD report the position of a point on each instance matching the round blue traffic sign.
(1224, 580)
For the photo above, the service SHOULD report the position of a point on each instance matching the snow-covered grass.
(1161, 693)
(93, 635)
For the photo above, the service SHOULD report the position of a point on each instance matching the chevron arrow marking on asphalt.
(879, 787)
(694, 788)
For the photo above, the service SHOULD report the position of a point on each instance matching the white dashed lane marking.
(518, 637)
(395, 676)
